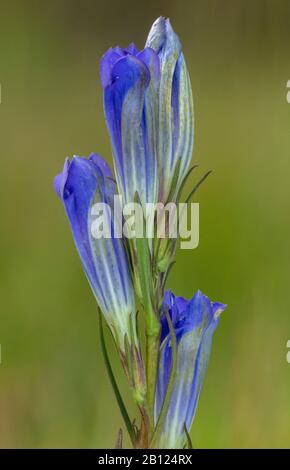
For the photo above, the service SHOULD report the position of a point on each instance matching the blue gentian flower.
(82, 183)
(175, 123)
(194, 322)
(130, 81)
(149, 113)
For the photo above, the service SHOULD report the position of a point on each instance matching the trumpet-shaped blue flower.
(130, 80)
(175, 115)
(82, 183)
(194, 322)
(149, 113)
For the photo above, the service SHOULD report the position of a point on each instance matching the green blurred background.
(54, 390)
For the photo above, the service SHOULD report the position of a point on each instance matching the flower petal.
(107, 63)
(131, 125)
(194, 322)
(175, 135)
(83, 183)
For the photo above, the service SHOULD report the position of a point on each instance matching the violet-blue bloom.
(194, 323)
(175, 122)
(149, 113)
(130, 81)
(82, 183)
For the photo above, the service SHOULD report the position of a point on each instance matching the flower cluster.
(149, 114)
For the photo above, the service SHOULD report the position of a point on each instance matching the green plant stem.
(118, 395)
(152, 351)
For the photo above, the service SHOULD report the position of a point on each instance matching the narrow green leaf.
(153, 327)
(197, 186)
(135, 427)
(144, 269)
(185, 180)
(119, 399)
(166, 274)
(119, 441)
(110, 178)
(189, 441)
(174, 180)
(128, 356)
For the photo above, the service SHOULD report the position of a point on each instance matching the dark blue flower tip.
(108, 73)
(189, 314)
(60, 179)
(84, 170)
(194, 322)
(57, 184)
(107, 63)
(128, 71)
(132, 49)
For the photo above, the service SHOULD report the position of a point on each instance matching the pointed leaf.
(118, 395)
(119, 442)
(189, 441)
(197, 186)
(185, 180)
